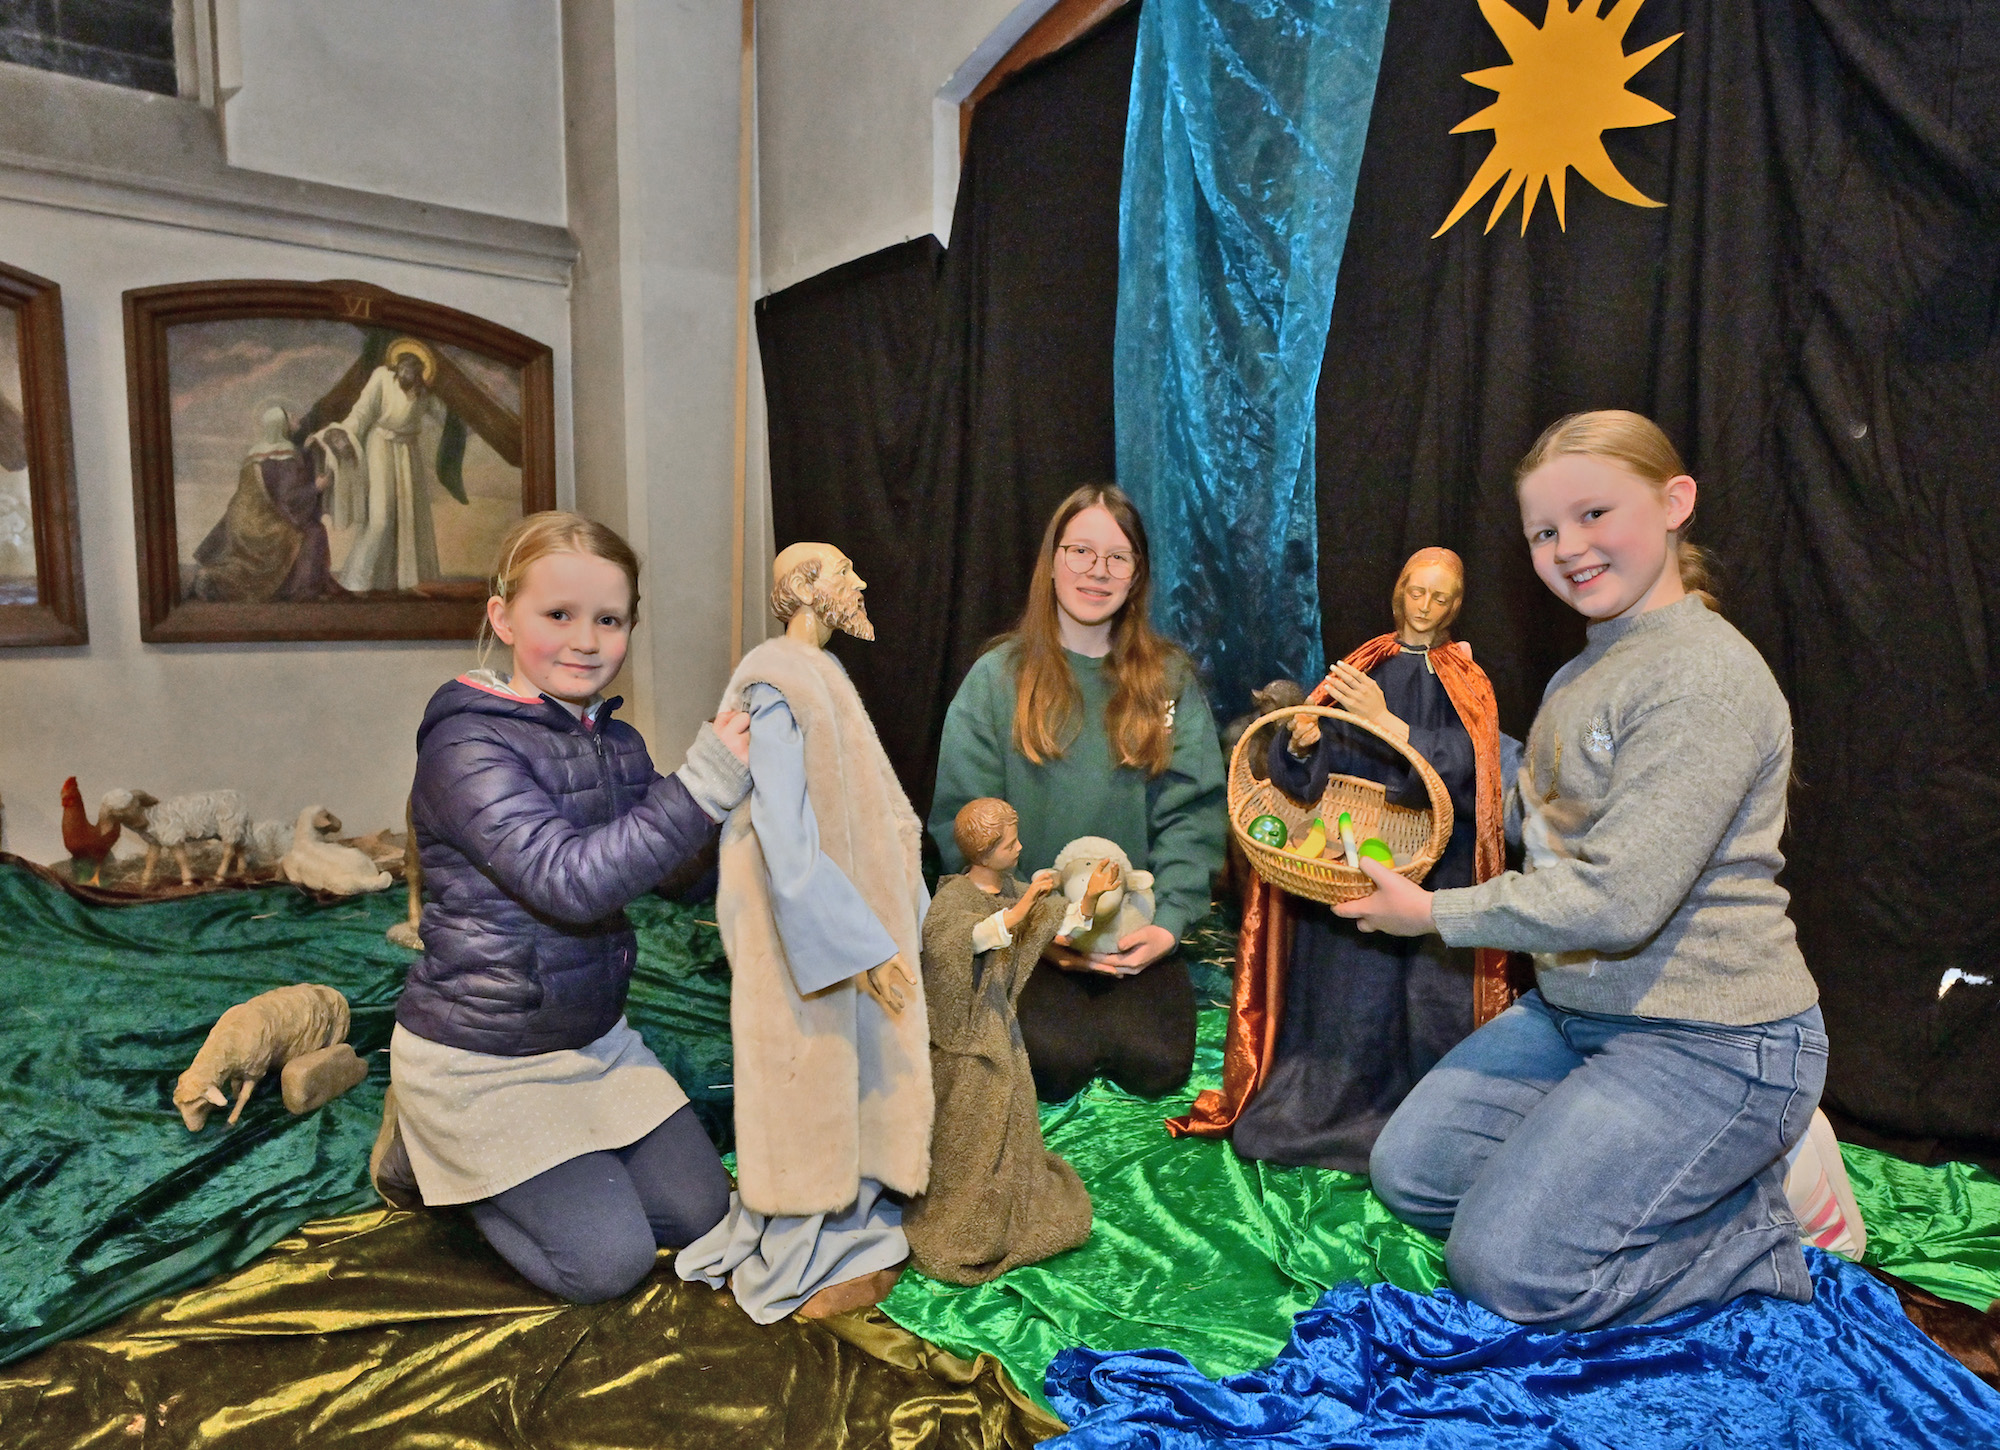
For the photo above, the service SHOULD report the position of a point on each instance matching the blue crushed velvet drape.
(1377, 1365)
(1241, 153)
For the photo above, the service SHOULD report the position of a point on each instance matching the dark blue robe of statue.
(1366, 1014)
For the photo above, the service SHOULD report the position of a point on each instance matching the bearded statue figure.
(821, 902)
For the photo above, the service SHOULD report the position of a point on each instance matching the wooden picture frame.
(35, 441)
(295, 418)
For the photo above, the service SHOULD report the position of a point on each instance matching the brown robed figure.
(1264, 946)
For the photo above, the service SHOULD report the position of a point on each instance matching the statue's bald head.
(820, 577)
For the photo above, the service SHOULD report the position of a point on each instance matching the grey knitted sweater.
(1649, 807)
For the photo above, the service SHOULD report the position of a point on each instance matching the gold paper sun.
(1565, 89)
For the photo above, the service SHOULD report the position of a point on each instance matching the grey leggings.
(588, 1229)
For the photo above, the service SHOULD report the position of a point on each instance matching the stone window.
(122, 42)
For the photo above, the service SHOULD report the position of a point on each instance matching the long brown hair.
(1637, 443)
(1046, 698)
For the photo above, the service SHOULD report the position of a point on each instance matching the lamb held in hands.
(1121, 907)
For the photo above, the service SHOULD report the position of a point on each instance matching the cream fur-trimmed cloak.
(829, 1089)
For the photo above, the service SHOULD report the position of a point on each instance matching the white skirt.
(476, 1125)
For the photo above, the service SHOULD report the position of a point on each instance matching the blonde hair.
(554, 531)
(979, 825)
(1637, 444)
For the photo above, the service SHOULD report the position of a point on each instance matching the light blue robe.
(773, 1265)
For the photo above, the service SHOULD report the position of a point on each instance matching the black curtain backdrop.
(1812, 317)
(928, 411)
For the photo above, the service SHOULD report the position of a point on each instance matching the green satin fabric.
(106, 1200)
(1936, 1227)
(1191, 1247)
(393, 1329)
(1194, 1249)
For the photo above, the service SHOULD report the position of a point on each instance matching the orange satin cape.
(1264, 945)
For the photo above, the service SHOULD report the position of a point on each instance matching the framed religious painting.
(326, 460)
(41, 560)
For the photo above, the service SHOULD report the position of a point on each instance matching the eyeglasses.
(1081, 559)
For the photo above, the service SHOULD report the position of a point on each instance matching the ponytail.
(1697, 568)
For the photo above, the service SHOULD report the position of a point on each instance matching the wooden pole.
(746, 122)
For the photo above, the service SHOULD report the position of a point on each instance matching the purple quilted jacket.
(535, 831)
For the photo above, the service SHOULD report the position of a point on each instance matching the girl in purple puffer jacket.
(516, 1086)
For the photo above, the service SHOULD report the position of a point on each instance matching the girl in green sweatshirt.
(1090, 724)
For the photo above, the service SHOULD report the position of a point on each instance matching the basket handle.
(1328, 712)
(1433, 782)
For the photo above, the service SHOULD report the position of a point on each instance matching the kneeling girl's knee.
(697, 1208)
(620, 1266)
(1399, 1170)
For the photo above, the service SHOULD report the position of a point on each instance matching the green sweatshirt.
(1172, 826)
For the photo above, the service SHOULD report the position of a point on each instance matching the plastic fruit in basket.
(1268, 830)
(1314, 843)
(1377, 849)
(1347, 840)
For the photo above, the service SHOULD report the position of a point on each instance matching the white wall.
(847, 119)
(457, 102)
(653, 190)
(288, 725)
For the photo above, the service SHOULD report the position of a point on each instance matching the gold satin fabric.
(1264, 945)
(393, 1329)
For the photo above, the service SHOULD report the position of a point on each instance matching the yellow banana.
(1314, 843)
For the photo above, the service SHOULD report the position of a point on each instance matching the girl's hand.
(1398, 906)
(1136, 952)
(732, 728)
(1305, 734)
(1358, 694)
(1060, 954)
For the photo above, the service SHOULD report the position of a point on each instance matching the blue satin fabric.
(1241, 153)
(1378, 1365)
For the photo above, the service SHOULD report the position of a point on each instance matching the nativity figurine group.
(888, 1115)
(885, 1104)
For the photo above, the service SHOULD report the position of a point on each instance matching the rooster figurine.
(81, 839)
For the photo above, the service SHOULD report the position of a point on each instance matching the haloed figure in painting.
(271, 541)
(380, 484)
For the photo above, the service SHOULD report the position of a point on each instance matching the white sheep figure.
(301, 1030)
(266, 842)
(1121, 910)
(322, 865)
(210, 815)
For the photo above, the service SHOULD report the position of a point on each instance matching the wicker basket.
(1418, 837)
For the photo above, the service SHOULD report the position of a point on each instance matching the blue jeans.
(1590, 1170)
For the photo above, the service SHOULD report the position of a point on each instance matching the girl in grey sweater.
(1613, 1147)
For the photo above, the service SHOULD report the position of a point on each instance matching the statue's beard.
(845, 612)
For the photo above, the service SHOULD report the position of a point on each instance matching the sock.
(1821, 1197)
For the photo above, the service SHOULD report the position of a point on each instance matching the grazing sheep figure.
(1123, 907)
(301, 1029)
(321, 865)
(210, 815)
